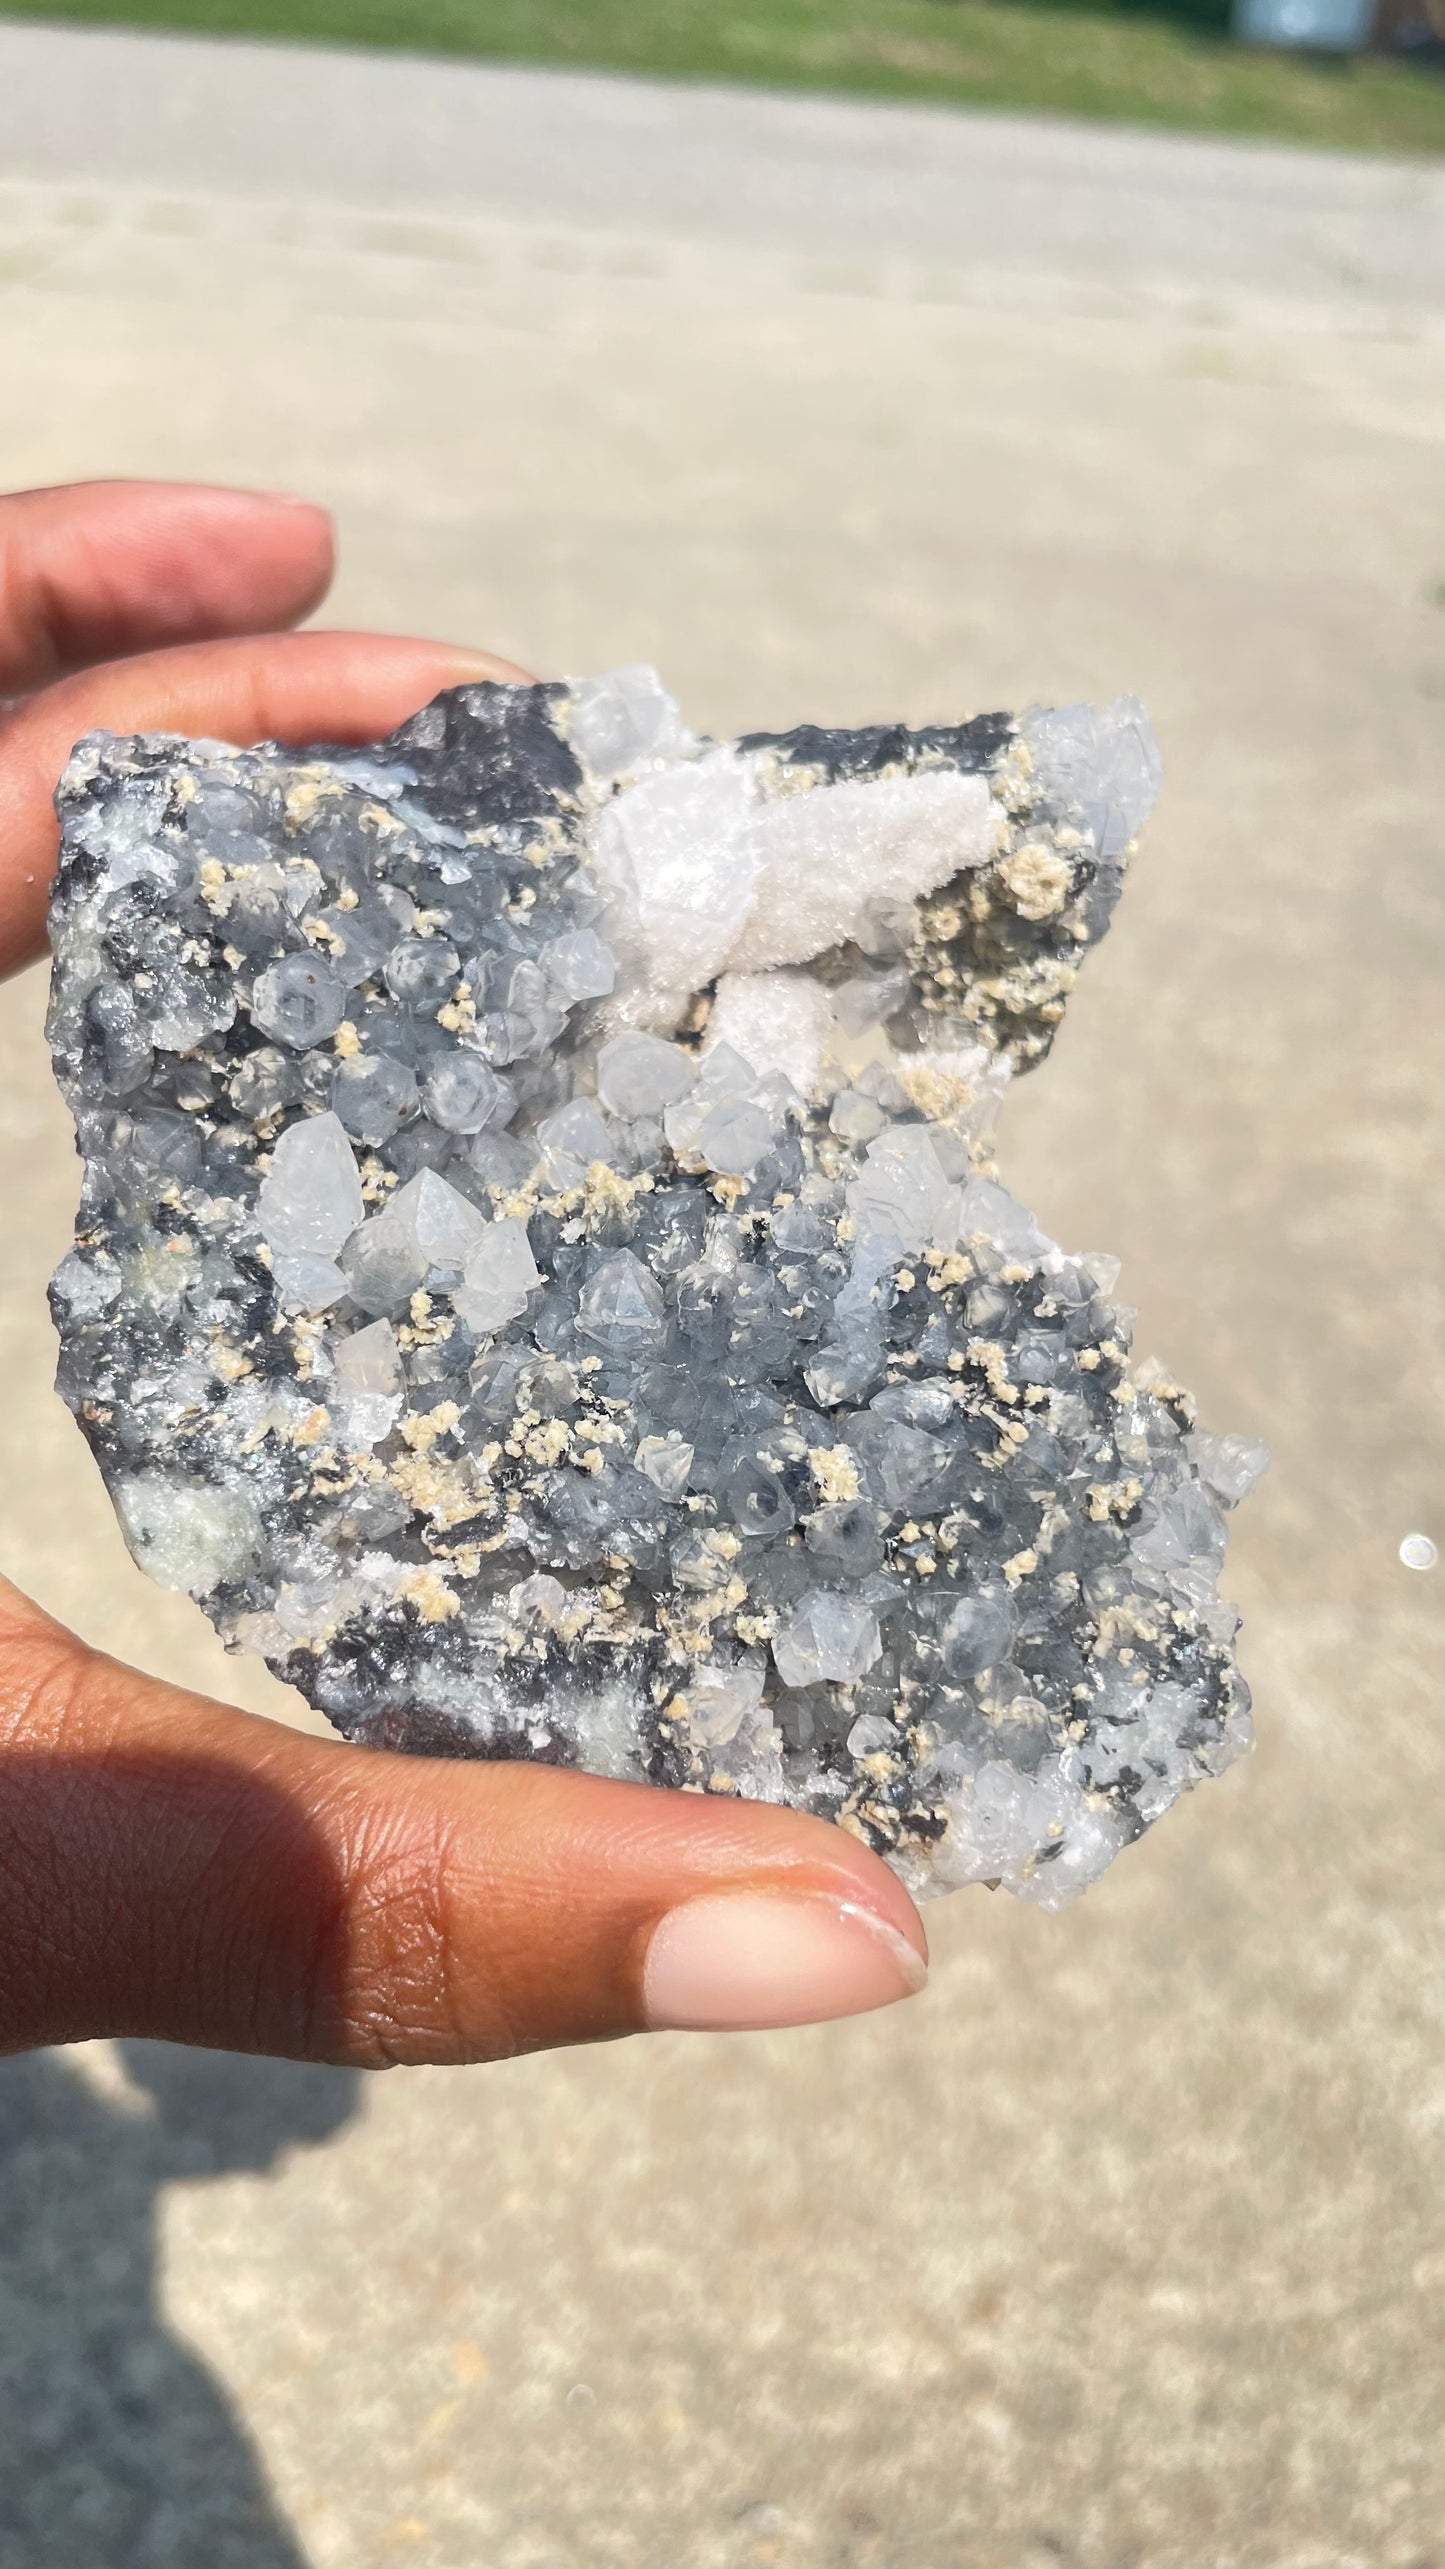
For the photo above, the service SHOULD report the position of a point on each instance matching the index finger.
(93, 570)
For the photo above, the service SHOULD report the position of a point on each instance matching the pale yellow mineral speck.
(423, 1427)
(459, 1016)
(426, 1589)
(1038, 879)
(304, 798)
(935, 1093)
(835, 1472)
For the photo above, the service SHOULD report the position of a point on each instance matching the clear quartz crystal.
(373, 1097)
(463, 1092)
(298, 1001)
(667, 1461)
(622, 1309)
(542, 1278)
(419, 1241)
(370, 1384)
(827, 1636)
(641, 1075)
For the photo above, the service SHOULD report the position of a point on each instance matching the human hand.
(173, 1867)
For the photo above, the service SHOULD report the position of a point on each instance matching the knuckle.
(406, 1993)
(50, 1684)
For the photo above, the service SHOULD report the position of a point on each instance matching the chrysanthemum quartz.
(541, 1277)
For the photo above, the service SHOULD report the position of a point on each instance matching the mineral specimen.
(541, 1278)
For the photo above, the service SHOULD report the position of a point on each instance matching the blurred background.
(1118, 2250)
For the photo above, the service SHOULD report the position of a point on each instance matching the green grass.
(1167, 65)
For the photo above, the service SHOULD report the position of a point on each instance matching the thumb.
(171, 1867)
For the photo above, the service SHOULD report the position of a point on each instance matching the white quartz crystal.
(499, 1274)
(310, 1200)
(370, 1384)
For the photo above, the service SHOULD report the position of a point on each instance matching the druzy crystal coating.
(542, 1278)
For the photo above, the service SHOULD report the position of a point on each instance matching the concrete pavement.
(1116, 2250)
(790, 188)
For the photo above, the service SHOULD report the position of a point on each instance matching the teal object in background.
(1321, 26)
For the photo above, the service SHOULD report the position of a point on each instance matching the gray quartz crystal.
(542, 1278)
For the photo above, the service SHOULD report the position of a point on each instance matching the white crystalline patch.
(499, 1274)
(828, 863)
(778, 1021)
(310, 1200)
(707, 873)
(671, 853)
(187, 1534)
(606, 1724)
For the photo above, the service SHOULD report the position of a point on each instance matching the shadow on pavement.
(117, 2449)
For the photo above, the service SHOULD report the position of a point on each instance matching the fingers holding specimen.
(173, 1868)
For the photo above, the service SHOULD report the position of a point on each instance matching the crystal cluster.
(542, 1280)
